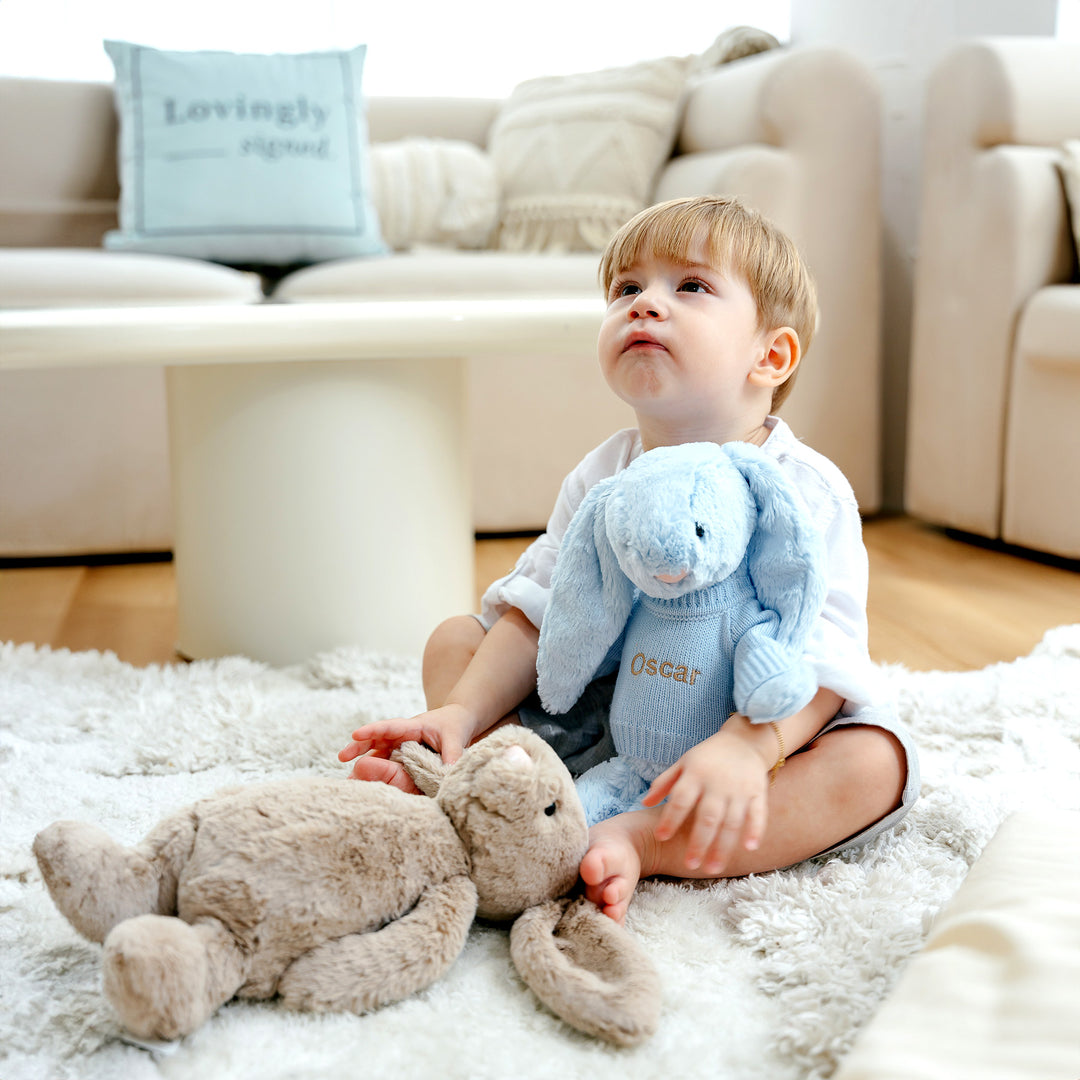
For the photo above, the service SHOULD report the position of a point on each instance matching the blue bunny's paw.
(781, 695)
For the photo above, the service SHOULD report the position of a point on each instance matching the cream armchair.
(994, 414)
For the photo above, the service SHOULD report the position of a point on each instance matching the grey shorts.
(582, 738)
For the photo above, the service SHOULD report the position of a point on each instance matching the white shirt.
(838, 646)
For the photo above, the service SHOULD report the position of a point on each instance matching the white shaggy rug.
(768, 977)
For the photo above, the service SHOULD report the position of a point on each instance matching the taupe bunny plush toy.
(343, 895)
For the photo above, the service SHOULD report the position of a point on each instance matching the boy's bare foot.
(614, 863)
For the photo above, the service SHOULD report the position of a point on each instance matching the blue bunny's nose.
(672, 579)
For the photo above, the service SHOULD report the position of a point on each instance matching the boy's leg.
(448, 652)
(841, 784)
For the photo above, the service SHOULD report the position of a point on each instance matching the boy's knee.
(880, 765)
(448, 652)
(870, 761)
(459, 632)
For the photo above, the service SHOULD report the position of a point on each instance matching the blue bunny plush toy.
(697, 570)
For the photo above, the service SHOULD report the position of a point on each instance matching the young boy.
(710, 310)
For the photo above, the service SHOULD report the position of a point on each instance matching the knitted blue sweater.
(675, 685)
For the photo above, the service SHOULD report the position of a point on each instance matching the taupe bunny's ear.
(588, 970)
(425, 767)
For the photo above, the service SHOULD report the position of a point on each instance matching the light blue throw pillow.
(243, 158)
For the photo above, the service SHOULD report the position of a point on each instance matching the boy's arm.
(499, 676)
(723, 782)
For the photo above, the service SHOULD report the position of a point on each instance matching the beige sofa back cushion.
(64, 193)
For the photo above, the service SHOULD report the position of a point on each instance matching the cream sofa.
(993, 441)
(83, 453)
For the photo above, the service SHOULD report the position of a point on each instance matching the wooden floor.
(936, 602)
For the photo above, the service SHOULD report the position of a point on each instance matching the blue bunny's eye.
(700, 530)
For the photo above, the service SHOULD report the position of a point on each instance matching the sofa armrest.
(796, 134)
(994, 229)
(1021, 91)
(786, 97)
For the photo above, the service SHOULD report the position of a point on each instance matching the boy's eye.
(693, 286)
(627, 288)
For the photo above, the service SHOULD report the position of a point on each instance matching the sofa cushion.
(434, 191)
(242, 158)
(578, 155)
(439, 274)
(83, 277)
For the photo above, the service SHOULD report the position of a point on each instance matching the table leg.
(319, 504)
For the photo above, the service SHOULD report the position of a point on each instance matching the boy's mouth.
(642, 340)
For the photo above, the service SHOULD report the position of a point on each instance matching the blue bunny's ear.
(786, 559)
(590, 602)
(786, 555)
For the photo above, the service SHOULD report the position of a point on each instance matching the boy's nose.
(645, 307)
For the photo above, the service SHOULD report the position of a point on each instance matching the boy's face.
(679, 343)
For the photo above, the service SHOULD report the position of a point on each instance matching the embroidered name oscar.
(666, 669)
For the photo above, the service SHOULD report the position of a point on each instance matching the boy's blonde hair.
(738, 241)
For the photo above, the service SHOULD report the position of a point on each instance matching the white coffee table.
(320, 456)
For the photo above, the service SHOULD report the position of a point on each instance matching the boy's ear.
(779, 359)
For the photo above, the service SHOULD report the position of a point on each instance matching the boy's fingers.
(710, 821)
(755, 823)
(349, 752)
(681, 802)
(661, 786)
(726, 838)
(384, 771)
(387, 735)
(454, 750)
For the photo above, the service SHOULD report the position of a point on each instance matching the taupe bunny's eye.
(550, 810)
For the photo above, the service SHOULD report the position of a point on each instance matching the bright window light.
(1068, 20)
(481, 48)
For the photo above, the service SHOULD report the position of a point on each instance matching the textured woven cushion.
(242, 158)
(578, 155)
(434, 191)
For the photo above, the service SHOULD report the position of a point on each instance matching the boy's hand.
(721, 785)
(446, 730)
